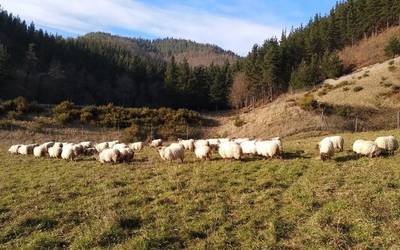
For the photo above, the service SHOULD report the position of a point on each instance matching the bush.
(357, 89)
(346, 89)
(238, 122)
(392, 68)
(343, 111)
(134, 133)
(322, 92)
(64, 112)
(392, 49)
(308, 103)
(14, 115)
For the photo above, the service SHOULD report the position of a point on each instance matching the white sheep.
(101, 146)
(109, 155)
(119, 146)
(388, 144)
(126, 154)
(279, 141)
(268, 149)
(213, 143)
(187, 144)
(249, 147)
(55, 151)
(14, 149)
(48, 145)
(172, 152)
(337, 141)
(68, 152)
(203, 152)
(136, 146)
(86, 144)
(230, 150)
(326, 149)
(78, 149)
(366, 148)
(26, 149)
(156, 143)
(40, 151)
(200, 143)
(112, 143)
(222, 140)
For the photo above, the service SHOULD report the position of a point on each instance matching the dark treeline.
(306, 55)
(99, 68)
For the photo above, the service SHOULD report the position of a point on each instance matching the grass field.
(298, 202)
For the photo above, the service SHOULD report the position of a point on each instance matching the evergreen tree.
(393, 48)
(30, 62)
(4, 64)
(331, 66)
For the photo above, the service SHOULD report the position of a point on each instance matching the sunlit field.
(297, 202)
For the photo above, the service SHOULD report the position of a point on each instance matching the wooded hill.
(99, 68)
(305, 56)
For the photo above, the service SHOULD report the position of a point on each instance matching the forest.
(100, 68)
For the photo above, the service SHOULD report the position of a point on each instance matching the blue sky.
(232, 24)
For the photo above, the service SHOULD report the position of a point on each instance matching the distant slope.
(196, 53)
(369, 50)
(371, 94)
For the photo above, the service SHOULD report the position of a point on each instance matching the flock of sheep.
(382, 145)
(116, 152)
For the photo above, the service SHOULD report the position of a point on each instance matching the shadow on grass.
(351, 157)
(295, 155)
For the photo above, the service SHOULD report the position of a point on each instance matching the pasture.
(297, 202)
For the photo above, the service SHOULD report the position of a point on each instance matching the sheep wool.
(389, 144)
(268, 149)
(136, 146)
(109, 156)
(39, 151)
(366, 148)
(14, 149)
(230, 150)
(203, 152)
(326, 149)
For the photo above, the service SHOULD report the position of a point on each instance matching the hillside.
(372, 94)
(369, 50)
(196, 54)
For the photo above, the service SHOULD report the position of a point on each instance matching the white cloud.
(81, 16)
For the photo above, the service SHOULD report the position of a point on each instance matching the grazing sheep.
(126, 154)
(187, 144)
(326, 149)
(249, 147)
(101, 146)
(111, 144)
(14, 149)
(40, 151)
(279, 141)
(78, 149)
(230, 150)
(337, 141)
(90, 151)
(172, 152)
(200, 143)
(388, 144)
(68, 153)
(57, 144)
(55, 151)
(136, 146)
(86, 144)
(213, 143)
(120, 146)
(109, 155)
(156, 143)
(26, 149)
(268, 149)
(366, 148)
(48, 145)
(203, 152)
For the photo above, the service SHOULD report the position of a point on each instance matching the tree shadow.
(295, 155)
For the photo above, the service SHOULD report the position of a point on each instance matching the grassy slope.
(298, 202)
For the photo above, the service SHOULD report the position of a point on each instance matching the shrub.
(238, 122)
(14, 115)
(391, 62)
(357, 89)
(387, 84)
(395, 88)
(392, 68)
(322, 93)
(308, 103)
(346, 89)
(343, 111)
(366, 74)
(64, 112)
(392, 49)
(134, 133)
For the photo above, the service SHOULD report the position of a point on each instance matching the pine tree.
(331, 66)
(4, 64)
(31, 61)
(171, 78)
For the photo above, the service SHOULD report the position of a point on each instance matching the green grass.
(298, 202)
